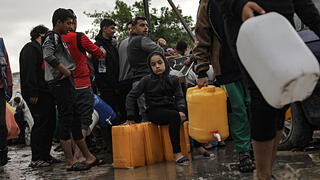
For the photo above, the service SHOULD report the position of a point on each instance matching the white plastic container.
(95, 120)
(277, 59)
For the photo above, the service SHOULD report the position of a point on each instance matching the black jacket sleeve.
(309, 14)
(28, 65)
(131, 102)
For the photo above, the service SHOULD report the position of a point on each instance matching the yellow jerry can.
(128, 146)
(207, 111)
(153, 144)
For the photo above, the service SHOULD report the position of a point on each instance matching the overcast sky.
(18, 17)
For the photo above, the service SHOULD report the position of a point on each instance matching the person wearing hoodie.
(107, 76)
(39, 99)
(164, 101)
(266, 122)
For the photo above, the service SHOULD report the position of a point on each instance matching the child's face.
(157, 64)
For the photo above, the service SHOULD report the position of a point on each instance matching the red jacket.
(82, 71)
(8, 71)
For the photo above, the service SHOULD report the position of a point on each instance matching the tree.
(164, 22)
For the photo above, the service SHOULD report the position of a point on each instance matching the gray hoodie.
(55, 52)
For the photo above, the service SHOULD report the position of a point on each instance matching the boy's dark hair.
(62, 15)
(17, 100)
(73, 14)
(106, 23)
(36, 31)
(136, 19)
(181, 46)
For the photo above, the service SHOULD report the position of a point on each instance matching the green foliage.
(164, 22)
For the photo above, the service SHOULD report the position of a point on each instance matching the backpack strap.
(79, 34)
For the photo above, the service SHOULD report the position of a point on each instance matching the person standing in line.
(107, 74)
(5, 95)
(78, 44)
(125, 81)
(211, 48)
(35, 90)
(266, 121)
(139, 47)
(59, 67)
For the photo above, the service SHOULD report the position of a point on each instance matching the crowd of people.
(61, 69)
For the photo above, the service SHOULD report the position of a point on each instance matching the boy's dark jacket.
(109, 79)
(159, 91)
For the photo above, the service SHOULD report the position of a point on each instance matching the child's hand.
(128, 122)
(182, 116)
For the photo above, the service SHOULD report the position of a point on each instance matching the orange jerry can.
(207, 108)
(184, 142)
(153, 144)
(128, 146)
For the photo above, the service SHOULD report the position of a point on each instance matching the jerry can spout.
(216, 135)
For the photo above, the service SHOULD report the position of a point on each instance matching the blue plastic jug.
(106, 113)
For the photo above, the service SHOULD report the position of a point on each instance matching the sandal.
(39, 164)
(246, 164)
(183, 161)
(97, 162)
(53, 160)
(206, 154)
(78, 166)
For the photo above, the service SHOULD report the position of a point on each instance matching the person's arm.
(309, 14)
(131, 100)
(149, 46)
(48, 49)
(204, 40)
(90, 47)
(179, 98)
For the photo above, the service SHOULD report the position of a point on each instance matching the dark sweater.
(139, 47)
(160, 92)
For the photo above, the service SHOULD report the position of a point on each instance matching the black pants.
(64, 94)
(84, 107)
(44, 116)
(265, 119)
(162, 116)
(3, 125)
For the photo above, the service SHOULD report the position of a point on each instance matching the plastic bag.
(12, 126)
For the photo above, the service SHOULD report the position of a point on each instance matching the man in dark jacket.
(35, 91)
(139, 47)
(5, 95)
(107, 73)
(211, 47)
(266, 121)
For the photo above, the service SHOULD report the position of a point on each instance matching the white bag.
(279, 62)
